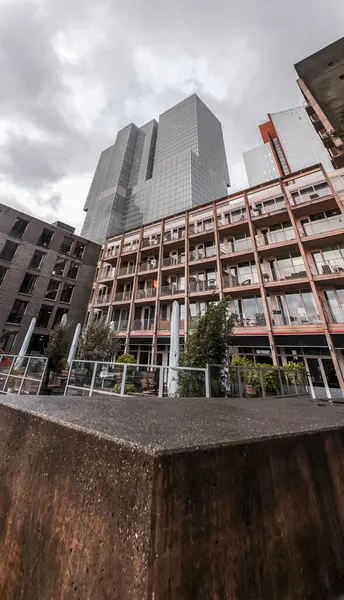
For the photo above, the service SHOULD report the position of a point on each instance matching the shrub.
(129, 388)
(126, 358)
(97, 343)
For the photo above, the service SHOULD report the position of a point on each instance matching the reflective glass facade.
(157, 170)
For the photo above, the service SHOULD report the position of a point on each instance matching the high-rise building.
(156, 170)
(290, 144)
(322, 84)
(46, 271)
(276, 250)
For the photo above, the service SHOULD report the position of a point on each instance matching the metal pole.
(239, 381)
(161, 381)
(24, 374)
(174, 351)
(68, 378)
(262, 382)
(207, 381)
(93, 379)
(281, 382)
(124, 377)
(42, 376)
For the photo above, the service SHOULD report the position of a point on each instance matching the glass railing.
(146, 243)
(201, 228)
(103, 299)
(236, 246)
(239, 279)
(311, 195)
(297, 317)
(229, 220)
(334, 315)
(121, 325)
(122, 296)
(330, 224)
(202, 286)
(107, 274)
(328, 267)
(111, 252)
(249, 320)
(149, 293)
(171, 290)
(173, 235)
(200, 255)
(132, 248)
(281, 273)
(148, 266)
(21, 374)
(171, 261)
(258, 211)
(142, 325)
(275, 237)
(126, 270)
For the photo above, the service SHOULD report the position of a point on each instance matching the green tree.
(97, 343)
(207, 343)
(58, 347)
(126, 358)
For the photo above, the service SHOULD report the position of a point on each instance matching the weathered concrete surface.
(168, 499)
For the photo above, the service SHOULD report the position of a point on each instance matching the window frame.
(18, 235)
(9, 242)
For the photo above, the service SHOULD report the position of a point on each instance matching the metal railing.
(148, 266)
(89, 378)
(165, 324)
(330, 224)
(240, 279)
(142, 325)
(122, 296)
(234, 381)
(21, 374)
(301, 317)
(148, 293)
(281, 273)
(171, 290)
(202, 286)
(328, 267)
(172, 261)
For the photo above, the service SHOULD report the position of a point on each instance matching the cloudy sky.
(75, 71)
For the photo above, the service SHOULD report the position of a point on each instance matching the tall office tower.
(157, 170)
(322, 84)
(290, 144)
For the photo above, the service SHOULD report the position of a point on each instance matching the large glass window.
(66, 245)
(60, 312)
(79, 249)
(3, 272)
(293, 308)
(59, 266)
(28, 284)
(67, 292)
(7, 340)
(52, 289)
(19, 227)
(329, 259)
(45, 238)
(73, 270)
(335, 302)
(17, 312)
(8, 251)
(37, 260)
(44, 316)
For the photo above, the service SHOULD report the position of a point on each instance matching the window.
(73, 270)
(17, 312)
(66, 245)
(67, 292)
(3, 272)
(19, 227)
(37, 260)
(79, 250)
(45, 238)
(8, 251)
(28, 284)
(44, 316)
(59, 266)
(7, 340)
(59, 314)
(52, 289)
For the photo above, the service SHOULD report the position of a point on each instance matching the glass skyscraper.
(157, 170)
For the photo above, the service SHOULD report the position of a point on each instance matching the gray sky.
(73, 72)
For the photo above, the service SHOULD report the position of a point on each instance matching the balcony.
(329, 267)
(232, 219)
(149, 242)
(123, 296)
(310, 194)
(203, 286)
(121, 326)
(236, 246)
(285, 273)
(103, 299)
(275, 237)
(148, 266)
(130, 249)
(210, 252)
(248, 321)
(201, 228)
(111, 254)
(165, 324)
(267, 209)
(171, 236)
(142, 325)
(148, 293)
(171, 290)
(173, 261)
(323, 225)
(107, 273)
(126, 271)
(230, 281)
(299, 317)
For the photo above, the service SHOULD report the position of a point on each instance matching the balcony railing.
(132, 248)
(165, 324)
(236, 246)
(127, 270)
(123, 296)
(230, 281)
(148, 266)
(203, 286)
(279, 274)
(259, 211)
(275, 237)
(334, 315)
(254, 320)
(199, 255)
(173, 235)
(172, 261)
(328, 267)
(298, 317)
(330, 224)
(148, 293)
(142, 325)
(103, 299)
(147, 242)
(201, 228)
(121, 325)
(229, 220)
(112, 252)
(107, 273)
(311, 195)
(171, 290)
